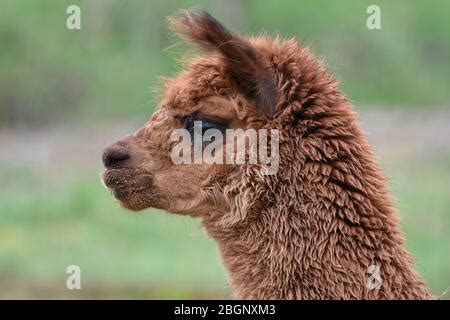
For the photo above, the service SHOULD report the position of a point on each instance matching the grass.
(48, 223)
(422, 190)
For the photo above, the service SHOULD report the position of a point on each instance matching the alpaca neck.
(336, 239)
(286, 255)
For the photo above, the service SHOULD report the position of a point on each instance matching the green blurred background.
(65, 94)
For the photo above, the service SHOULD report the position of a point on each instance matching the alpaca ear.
(254, 78)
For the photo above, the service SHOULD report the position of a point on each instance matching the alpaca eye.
(192, 124)
(210, 124)
(188, 124)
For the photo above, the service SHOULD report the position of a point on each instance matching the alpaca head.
(233, 86)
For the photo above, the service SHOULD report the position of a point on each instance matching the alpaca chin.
(132, 188)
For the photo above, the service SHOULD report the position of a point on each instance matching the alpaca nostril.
(113, 156)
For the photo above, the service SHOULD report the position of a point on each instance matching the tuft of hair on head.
(242, 63)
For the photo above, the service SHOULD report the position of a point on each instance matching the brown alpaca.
(309, 232)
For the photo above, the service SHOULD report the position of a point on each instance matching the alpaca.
(315, 228)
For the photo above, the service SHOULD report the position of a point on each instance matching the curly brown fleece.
(312, 230)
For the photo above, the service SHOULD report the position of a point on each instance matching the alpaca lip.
(126, 180)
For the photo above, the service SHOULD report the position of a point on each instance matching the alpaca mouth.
(133, 188)
(123, 179)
